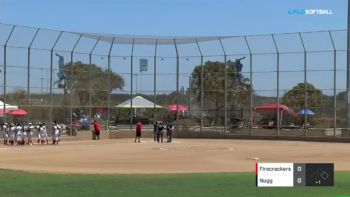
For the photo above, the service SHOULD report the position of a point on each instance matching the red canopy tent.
(177, 107)
(2, 112)
(18, 112)
(272, 109)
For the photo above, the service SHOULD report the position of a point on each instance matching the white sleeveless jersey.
(5, 133)
(19, 133)
(56, 129)
(12, 133)
(44, 130)
(19, 129)
(41, 130)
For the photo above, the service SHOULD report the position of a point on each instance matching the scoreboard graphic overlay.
(294, 174)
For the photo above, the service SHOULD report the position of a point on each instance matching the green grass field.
(14, 183)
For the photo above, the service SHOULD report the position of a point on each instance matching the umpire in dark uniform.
(160, 128)
(169, 131)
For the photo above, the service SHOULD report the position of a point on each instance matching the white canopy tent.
(8, 106)
(138, 102)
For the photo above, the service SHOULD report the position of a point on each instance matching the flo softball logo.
(310, 12)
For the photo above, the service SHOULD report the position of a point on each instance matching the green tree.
(295, 98)
(81, 76)
(238, 87)
(18, 97)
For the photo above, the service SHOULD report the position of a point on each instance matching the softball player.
(5, 134)
(56, 134)
(12, 134)
(43, 132)
(29, 132)
(38, 129)
(19, 135)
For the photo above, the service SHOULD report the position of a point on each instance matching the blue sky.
(174, 17)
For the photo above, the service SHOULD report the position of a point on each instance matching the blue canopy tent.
(307, 112)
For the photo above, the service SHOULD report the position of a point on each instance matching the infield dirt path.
(183, 156)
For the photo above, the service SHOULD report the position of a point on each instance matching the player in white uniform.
(12, 134)
(24, 135)
(56, 133)
(19, 136)
(43, 133)
(38, 126)
(6, 133)
(29, 131)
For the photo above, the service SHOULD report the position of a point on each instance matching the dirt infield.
(183, 156)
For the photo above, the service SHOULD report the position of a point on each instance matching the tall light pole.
(348, 68)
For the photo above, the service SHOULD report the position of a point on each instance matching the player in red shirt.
(138, 131)
(97, 130)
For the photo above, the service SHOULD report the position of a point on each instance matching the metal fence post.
(225, 86)
(334, 83)
(90, 80)
(155, 81)
(51, 77)
(278, 85)
(5, 71)
(177, 87)
(132, 79)
(28, 77)
(305, 84)
(202, 89)
(109, 84)
(71, 85)
(189, 96)
(348, 69)
(251, 85)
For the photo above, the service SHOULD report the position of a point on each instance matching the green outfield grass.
(14, 183)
